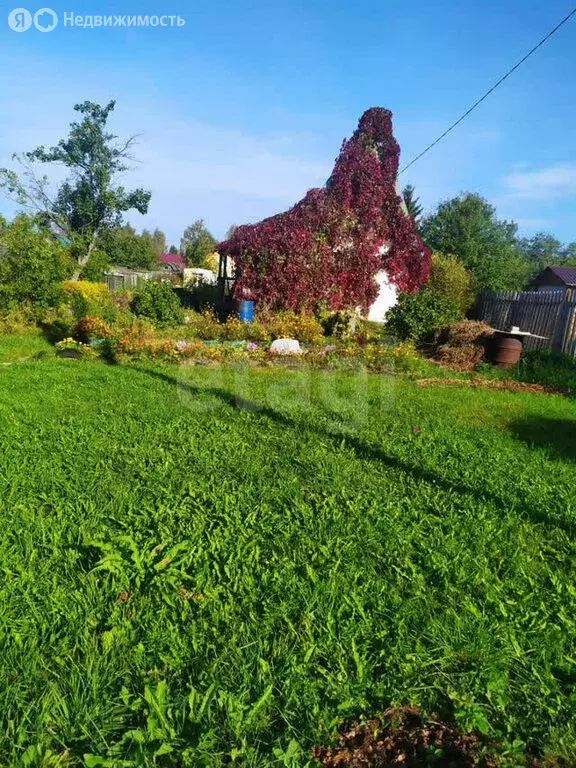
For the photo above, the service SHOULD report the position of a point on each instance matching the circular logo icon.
(19, 20)
(45, 20)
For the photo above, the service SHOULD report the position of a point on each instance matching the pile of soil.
(463, 345)
(402, 737)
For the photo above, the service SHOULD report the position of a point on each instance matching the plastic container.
(246, 311)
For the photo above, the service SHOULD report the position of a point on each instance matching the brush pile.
(463, 345)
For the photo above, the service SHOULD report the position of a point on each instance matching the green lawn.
(15, 347)
(332, 544)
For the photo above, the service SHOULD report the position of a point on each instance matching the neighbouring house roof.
(566, 274)
(173, 261)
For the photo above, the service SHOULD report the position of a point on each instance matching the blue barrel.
(246, 311)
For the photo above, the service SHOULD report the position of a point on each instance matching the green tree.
(159, 239)
(544, 250)
(450, 277)
(89, 202)
(173, 250)
(197, 243)
(127, 249)
(467, 227)
(412, 202)
(33, 263)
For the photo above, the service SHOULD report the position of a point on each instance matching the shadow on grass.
(558, 436)
(364, 450)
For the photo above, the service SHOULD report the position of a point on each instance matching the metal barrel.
(506, 351)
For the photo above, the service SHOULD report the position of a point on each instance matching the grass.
(212, 565)
(15, 347)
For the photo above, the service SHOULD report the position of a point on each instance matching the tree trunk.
(83, 260)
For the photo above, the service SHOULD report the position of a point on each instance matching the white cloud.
(554, 182)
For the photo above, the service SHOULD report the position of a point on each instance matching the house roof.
(566, 274)
(173, 260)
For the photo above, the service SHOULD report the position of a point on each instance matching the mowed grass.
(210, 565)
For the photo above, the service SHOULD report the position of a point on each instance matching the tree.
(231, 229)
(466, 226)
(197, 243)
(159, 239)
(412, 203)
(544, 250)
(88, 203)
(127, 249)
(33, 263)
(173, 250)
(450, 277)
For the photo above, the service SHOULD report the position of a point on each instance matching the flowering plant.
(70, 343)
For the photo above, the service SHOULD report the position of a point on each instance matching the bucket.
(246, 311)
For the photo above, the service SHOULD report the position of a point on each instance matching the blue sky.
(244, 108)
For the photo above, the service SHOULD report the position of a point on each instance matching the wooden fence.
(124, 281)
(545, 313)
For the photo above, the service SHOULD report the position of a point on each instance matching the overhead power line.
(493, 88)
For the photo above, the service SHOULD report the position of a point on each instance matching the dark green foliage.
(127, 249)
(199, 297)
(467, 227)
(412, 202)
(544, 250)
(417, 316)
(32, 264)
(159, 303)
(222, 564)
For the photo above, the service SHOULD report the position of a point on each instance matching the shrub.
(204, 325)
(305, 328)
(57, 323)
(96, 292)
(90, 328)
(32, 265)
(257, 331)
(450, 277)
(417, 316)
(122, 299)
(158, 303)
(17, 320)
(341, 325)
(93, 299)
(200, 297)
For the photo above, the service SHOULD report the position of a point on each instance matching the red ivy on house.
(327, 248)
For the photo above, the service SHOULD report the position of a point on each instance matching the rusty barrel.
(506, 350)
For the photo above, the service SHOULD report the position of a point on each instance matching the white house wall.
(387, 297)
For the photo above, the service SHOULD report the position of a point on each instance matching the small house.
(561, 279)
(172, 262)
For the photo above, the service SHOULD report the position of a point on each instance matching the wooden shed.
(561, 279)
